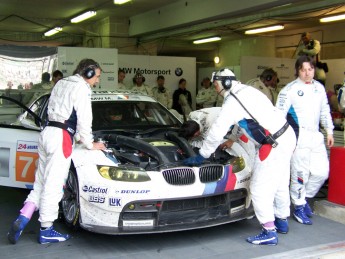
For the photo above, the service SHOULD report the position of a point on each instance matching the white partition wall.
(172, 68)
(69, 57)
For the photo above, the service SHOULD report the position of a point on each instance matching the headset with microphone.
(226, 80)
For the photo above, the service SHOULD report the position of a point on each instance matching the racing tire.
(70, 200)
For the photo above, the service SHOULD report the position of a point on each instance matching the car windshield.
(131, 115)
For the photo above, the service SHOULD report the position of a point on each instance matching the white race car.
(139, 185)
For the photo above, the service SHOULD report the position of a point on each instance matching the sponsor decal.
(244, 180)
(237, 209)
(111, 78)
(107, 64)
(282, 66)
(134, 191)
(145, 71)
(300, 180)
(67, 63)
(101, 98)
(300, 93)
(178, 71)
(138, 223)
(96, 199)
(27, 146)
(262, 67)
(93, 189)
(115, 202)
(26, 161)
(122, 97)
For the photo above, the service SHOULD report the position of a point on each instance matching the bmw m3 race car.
(139, 184)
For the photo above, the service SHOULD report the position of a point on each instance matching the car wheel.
(70, 201)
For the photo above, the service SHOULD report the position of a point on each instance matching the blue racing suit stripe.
(340, 94)
(292, 119)
(253, 129)
(72, 121)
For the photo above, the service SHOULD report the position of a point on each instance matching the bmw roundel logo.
(300, 93)
(178, 71)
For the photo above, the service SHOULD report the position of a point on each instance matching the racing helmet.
(225, 76)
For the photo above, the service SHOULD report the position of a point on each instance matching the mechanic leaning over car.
(70, 116)
(275, 139)
(304, 102)
(199, 122)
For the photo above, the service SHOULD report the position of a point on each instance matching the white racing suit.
(70, 104)
(305, 106)
(208, 97)
(341, 98)
(144, 89)
(164, 96)
(269, 185)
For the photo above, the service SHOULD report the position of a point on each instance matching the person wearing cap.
(139, 86)
(267, 83)
(312, 48)
(275, 140)
(305, 105)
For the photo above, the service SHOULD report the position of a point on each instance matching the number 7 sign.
(26, 161)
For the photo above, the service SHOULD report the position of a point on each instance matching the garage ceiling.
(174, 22)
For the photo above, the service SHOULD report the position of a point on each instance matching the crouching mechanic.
(304, 102)
(265, 125)
(199, 122)
(69, 112)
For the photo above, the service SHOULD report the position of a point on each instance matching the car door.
(19, 143)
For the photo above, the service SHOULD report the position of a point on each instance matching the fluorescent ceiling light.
(121, 1)
(333, 18)
(265, 29)
(52, 31)
(207, 40)
(83, 17)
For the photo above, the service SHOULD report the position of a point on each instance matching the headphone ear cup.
(89, 72)
(268, 78)
(227, 83)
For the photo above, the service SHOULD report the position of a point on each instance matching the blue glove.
(194, 160)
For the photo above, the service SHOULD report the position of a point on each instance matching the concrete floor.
(324, 239)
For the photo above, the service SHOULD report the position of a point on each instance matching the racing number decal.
(26, 161)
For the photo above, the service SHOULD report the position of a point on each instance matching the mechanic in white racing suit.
(265, 125)
(69, 112)
(304, 103)
(196, 129)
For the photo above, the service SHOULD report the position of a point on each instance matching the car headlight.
(238, 164)
(123, 174)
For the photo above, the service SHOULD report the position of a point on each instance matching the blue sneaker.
(282, 225)
(308, 211)
(266, 237)
(49, 235)
(301, 216)
(17, 228)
